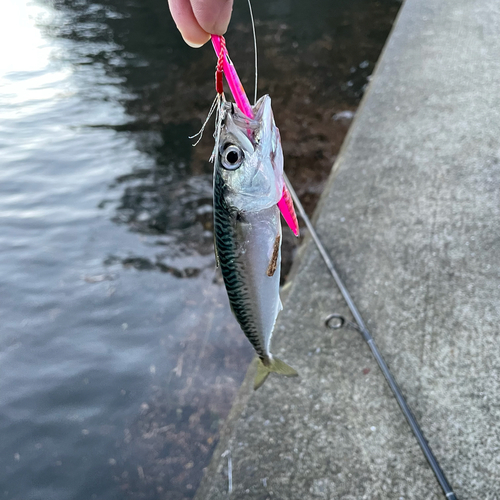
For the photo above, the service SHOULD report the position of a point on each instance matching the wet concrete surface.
(410, 216)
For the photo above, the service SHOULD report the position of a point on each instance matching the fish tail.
(264, 368)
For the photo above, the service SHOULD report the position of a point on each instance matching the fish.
(248, 184)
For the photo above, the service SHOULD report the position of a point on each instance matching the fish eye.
(232, 157)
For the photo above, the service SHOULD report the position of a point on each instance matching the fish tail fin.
(272, 365)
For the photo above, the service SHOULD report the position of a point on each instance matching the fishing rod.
(361, 327)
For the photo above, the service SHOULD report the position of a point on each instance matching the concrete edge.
(338, 161)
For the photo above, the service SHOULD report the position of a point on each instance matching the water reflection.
(169, 198)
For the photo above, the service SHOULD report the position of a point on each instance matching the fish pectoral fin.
(274, 365)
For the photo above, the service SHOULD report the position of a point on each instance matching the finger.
(213, 15)
(193, 34)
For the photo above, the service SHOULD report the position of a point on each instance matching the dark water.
(119, 357)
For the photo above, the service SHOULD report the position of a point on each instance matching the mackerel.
(248, 184)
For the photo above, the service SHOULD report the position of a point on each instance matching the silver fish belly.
(248, 181)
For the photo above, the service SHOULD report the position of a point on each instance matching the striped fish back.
(233, 267)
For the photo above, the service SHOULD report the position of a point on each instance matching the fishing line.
(255, 52)
(361, 327)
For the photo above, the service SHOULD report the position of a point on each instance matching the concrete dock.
(411, 219)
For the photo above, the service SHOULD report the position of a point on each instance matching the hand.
(198, 19)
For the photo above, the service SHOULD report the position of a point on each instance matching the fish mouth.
(239, 125)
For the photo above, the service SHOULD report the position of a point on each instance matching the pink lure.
(286, 203)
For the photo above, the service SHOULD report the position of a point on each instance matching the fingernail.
(194, 45)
